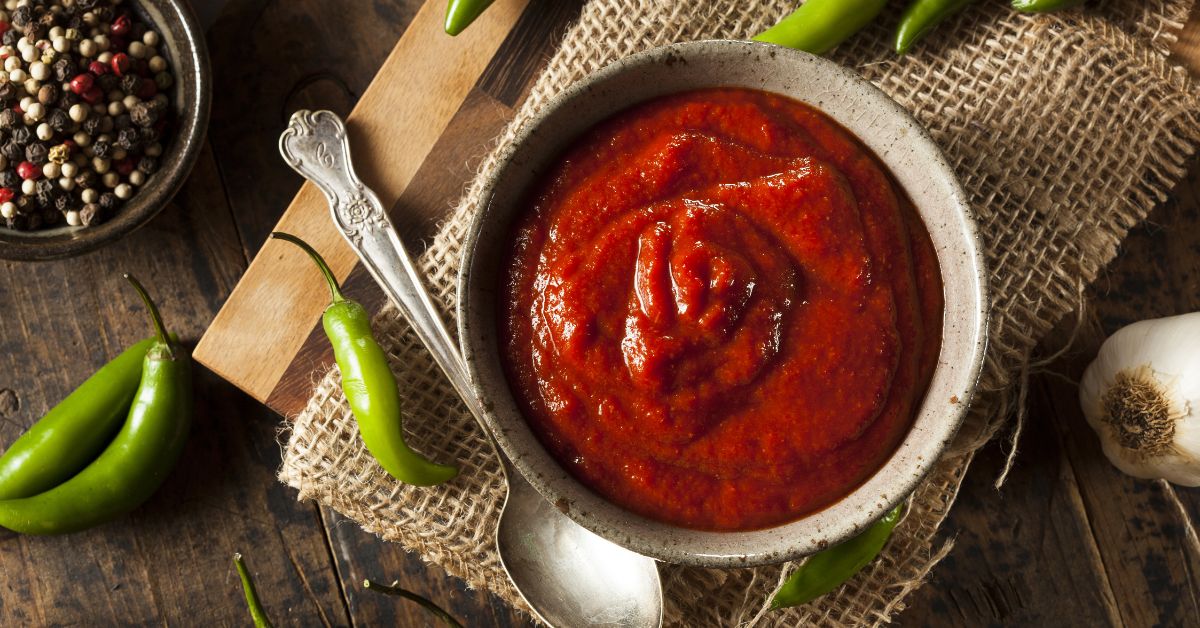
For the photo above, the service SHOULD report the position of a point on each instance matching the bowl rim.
(64, 242)
(920, 449)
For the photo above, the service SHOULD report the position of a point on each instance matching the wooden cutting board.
(417, 133)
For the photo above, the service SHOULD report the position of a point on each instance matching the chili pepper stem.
(257, 613)
(334, 291)
(394, 589)
(159, 329)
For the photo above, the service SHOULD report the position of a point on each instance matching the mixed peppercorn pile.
(83, 110)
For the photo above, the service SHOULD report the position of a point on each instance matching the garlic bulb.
(1142, 396)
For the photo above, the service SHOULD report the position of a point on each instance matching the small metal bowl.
(885, 128)
(183, 46)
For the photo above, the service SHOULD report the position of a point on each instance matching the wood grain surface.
(1068, 541)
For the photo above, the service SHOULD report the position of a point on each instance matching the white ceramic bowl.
(885, 128)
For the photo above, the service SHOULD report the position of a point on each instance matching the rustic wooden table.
(1068, 540)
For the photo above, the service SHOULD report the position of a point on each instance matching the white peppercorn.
(78, 112)
(29, 54)
(123, 191)
(61, 44)
(39, 70)
(129, 101)
(36, 111)
(102, 43)
(17, 76)
(154, 150)
(25, 102)
(12, 63)
(151, 38)
(137, 177)
(118, 154)
(100, 165)
(116, 108)
(73, 218)
(8, 209)
(66, 183)
(69, 169)
(32, 85)
(111, 179)
(157, 64)
(82, 140)
(137, 50)
(28, 186)
(89, 195)
(44, 132)
(87, 48)
(51, 170)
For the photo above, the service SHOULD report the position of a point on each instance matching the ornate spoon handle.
(315, 145)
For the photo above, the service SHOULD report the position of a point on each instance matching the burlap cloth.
(1065, 130)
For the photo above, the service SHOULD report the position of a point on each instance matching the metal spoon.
(569, 576)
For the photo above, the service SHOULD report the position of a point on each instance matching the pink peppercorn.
(82, 83)
(97, 68)
(120, 64)
(28, 171)
(6, 195)
(93, 95)
(121, 27)
(124, 166)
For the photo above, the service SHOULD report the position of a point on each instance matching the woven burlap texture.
(1065, 131)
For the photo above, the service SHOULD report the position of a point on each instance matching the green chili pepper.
(1044, 6)
(819, 25)
(921, 17)
(460, 14)
(137, 460)
(75, 431)
(825, 571)
(369, 384)
(257, 613)
(434, 609)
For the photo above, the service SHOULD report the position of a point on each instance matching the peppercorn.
(149, 135)
(108, 82)
(89, 214)
(108, 201)
(10, 38)
(59, 154)
(21, 16)
(131, 83)
(25, 205)
(67, 100)
(122, 121)
(146, 165)
(62, 202)
(48, 94)
(144, 114)
(164, 80)
(86, 179)
(21, 134)
(8, 118)
(43, 190)
(120, 64)
(9, 179)
(91, 126)
(82, 82)
(36, 153)
(101, 148)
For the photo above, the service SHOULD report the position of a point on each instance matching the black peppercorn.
(25, 205)
(58, 120)
(62, 202)
(64, 69)
(8, 94)
(48, 94)
(101, 148)
(90, 214)
(143, 114)
(91, 126)
(21, 134)
(10, 179)
(35, 31)
(36, 153)
(149, 135)
(13, 152)
(128, 140)
(103, 14)
(122, 121)
(67, 100)
(108, 201)
(131, 83)
(44, 189)
(148, 165)
(21, 16)
(11, 37)
(108, 82)
(86, 179)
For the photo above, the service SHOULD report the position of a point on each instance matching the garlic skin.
(1142, 396)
